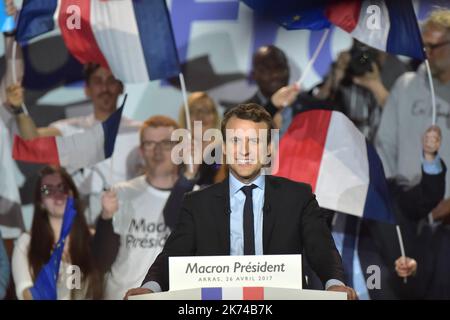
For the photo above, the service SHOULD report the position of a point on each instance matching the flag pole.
(313, 58)
(111, 173)
(187, 117)
(111, 168)
(433, 95)
(402, 248)
(14, 73)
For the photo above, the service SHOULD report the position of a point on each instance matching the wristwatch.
(10, 33)
(16, 110)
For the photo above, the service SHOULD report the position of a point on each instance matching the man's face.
(439, 57)
(243, 147)
(103, 89)
(269, 74)
(156, 148)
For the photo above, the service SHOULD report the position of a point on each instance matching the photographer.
(362, 78)
(357, 84)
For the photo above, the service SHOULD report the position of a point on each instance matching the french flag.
(389, 26)
(324, 149)
(259, 293)
(72, 152)
(233, 293)
(133, 38)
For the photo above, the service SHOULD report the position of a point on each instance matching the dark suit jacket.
(270, 108)
(305, 101)
(293, 224)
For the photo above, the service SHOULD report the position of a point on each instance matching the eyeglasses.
(52, 190)
(165, 144)
(431, 47)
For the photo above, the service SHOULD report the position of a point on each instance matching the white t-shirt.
(22, 275)
(125, 163)
(143, 233)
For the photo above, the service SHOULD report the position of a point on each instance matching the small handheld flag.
(134, 39)
(72, 152)
(45, 284)
(324, 149)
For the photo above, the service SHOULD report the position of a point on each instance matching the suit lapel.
(269, 210)
(221, 208)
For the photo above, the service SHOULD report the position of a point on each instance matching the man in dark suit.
(250, 213)
(270, 71)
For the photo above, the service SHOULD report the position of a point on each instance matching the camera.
(362, 58)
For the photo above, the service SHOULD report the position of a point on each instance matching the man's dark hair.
(89, 69)
(248, 111)
(270, 55)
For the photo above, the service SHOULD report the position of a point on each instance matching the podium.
(250, 277)
(269, 294)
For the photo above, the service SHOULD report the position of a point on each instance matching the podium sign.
(276, 271)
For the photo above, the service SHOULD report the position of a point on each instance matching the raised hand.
(431, 142)
(136, 292)
(110, 204)
(14, 95)
(285, 96)
(11, 8)
(405, 266)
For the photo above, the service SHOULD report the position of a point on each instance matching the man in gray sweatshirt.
(408, 110)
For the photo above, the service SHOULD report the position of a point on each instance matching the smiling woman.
(32, 251)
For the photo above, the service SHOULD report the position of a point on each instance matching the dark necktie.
(249, 231)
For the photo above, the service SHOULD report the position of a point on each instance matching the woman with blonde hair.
(203, 108)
